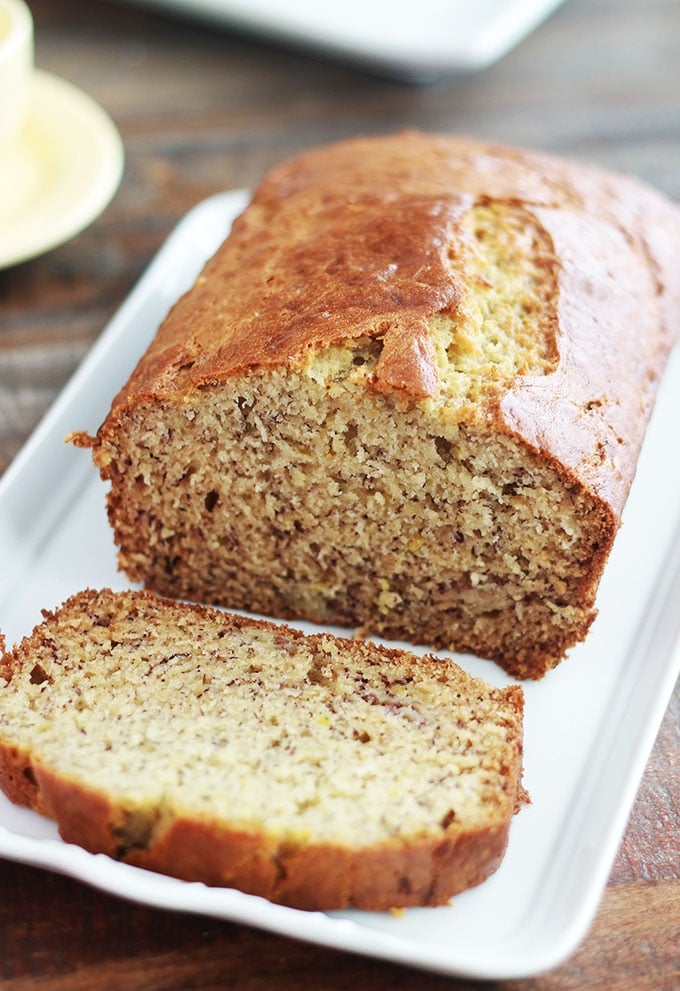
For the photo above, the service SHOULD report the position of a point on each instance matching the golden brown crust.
(323, 876)
(355, 239)
(427, 873)
(590, 415)
(17, 778)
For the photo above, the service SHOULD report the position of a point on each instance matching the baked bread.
(316, 771)
(407, 394)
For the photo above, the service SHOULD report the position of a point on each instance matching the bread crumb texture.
(316, 771)
(406, 395)
(281, 494)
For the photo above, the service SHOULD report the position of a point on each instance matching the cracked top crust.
(380, 240)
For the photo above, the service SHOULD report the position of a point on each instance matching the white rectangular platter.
(416, 42)
(590, 724)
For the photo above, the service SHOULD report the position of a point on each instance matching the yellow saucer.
(59, 173)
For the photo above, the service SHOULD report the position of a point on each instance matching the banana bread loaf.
(315, 771)
(407, 394)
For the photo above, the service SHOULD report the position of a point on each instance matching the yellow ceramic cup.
(16, 66)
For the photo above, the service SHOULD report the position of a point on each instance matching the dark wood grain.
(201, 111)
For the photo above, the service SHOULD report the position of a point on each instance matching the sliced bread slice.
(316, 771)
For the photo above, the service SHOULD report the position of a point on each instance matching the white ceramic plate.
(418, 41)
(590, 723)
(60, 172)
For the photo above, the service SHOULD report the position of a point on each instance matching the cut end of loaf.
(282, 494)
(315, 771)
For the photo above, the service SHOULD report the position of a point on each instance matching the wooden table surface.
(201, 111)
